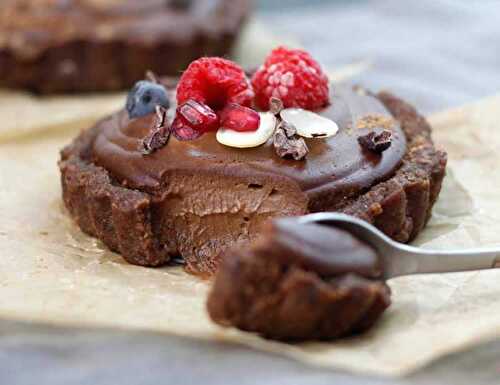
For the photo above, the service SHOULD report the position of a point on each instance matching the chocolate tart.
(195, 199)
(52, 46)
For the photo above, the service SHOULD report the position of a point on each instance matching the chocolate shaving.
(275, 105)
(289, 128)
(159, 135)
(288, 144)
(169, 82)
(151, 76)
(376, 142)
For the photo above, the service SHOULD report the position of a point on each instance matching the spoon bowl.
(399, 259)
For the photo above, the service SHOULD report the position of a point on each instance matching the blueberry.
(144, 97)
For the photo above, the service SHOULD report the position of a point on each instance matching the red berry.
(194, 119)
(215, 82)
(199, 116)
(239, 118)
(293, 76)
(183, 131)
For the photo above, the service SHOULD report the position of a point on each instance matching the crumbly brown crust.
(286, 302)
(401, 206)
(64, 57)
(122, 217)
(118, 216)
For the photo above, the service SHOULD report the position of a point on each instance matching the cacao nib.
(159, 135)
(288, 144)
(376, 142)
(151, 76)
(275, 105)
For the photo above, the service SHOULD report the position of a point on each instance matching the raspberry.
(239, 118)
(193, 119)
(215, 82)
(293, 76)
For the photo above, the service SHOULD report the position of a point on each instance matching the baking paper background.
(51, 272)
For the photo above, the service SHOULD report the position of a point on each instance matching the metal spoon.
(399, 259)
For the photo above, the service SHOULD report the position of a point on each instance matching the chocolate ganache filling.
(208, 196)
(335, 165)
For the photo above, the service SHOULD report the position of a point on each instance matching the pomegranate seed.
(183, 131)
(198, 116)
(239, 118)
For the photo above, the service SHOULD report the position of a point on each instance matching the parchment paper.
(51, 272)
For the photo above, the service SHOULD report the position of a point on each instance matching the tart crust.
(288, 303)
(122, 218)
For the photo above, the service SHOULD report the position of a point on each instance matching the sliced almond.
(249, 139)
(309, 124)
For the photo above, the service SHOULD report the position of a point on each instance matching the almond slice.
(309, 124)
(249, 139)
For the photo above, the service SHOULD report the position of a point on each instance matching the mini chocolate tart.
(53, 46)
(196, 198)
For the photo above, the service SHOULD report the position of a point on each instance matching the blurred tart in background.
(70, 46)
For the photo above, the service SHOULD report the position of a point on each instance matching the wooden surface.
(435, 54)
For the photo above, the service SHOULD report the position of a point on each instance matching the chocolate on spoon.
(300, 282)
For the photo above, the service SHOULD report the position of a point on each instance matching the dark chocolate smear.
(328, 251)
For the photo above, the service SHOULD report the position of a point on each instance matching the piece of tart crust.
(289, 303)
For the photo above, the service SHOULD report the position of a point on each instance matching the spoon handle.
(400, 259)
(412, 260)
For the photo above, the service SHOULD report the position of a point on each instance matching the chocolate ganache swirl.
(336, 168)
